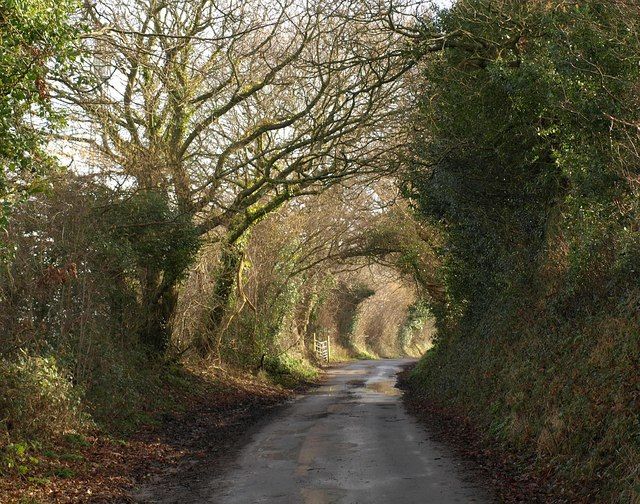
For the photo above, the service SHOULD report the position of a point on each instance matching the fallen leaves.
(214, 411)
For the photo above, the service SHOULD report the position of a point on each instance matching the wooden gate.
(322, 348)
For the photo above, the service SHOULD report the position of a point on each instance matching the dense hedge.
(531, 113)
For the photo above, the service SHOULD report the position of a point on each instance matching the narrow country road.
(348, 442)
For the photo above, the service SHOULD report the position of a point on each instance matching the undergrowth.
(48, 422)
(565, 391)
(289, 371)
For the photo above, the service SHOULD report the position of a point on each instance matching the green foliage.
(558, 388)
(417, 318)
(126, 386)
(534, 186)
(267, 331)
(364, 355)
(18, 458)
(76, 440)
(35, 40)
(37, 399)
(154, 244)
(289, 371)
(63, 472)
(155, 235)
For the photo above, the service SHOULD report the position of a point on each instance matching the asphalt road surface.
(348, 442)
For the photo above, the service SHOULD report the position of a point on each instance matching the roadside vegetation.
(192, 192)
(526, 162)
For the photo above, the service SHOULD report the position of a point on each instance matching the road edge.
(509, 477)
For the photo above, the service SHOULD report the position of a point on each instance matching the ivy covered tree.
(527, 134)
(35, 40)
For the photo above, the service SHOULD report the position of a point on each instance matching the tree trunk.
(158, 304)
(230, 264)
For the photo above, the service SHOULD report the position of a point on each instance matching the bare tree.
(231, 108)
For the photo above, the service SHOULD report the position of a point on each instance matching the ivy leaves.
(35, 37)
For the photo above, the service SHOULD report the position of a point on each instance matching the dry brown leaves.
(214, 413)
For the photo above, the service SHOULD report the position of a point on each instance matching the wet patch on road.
(384, 387)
